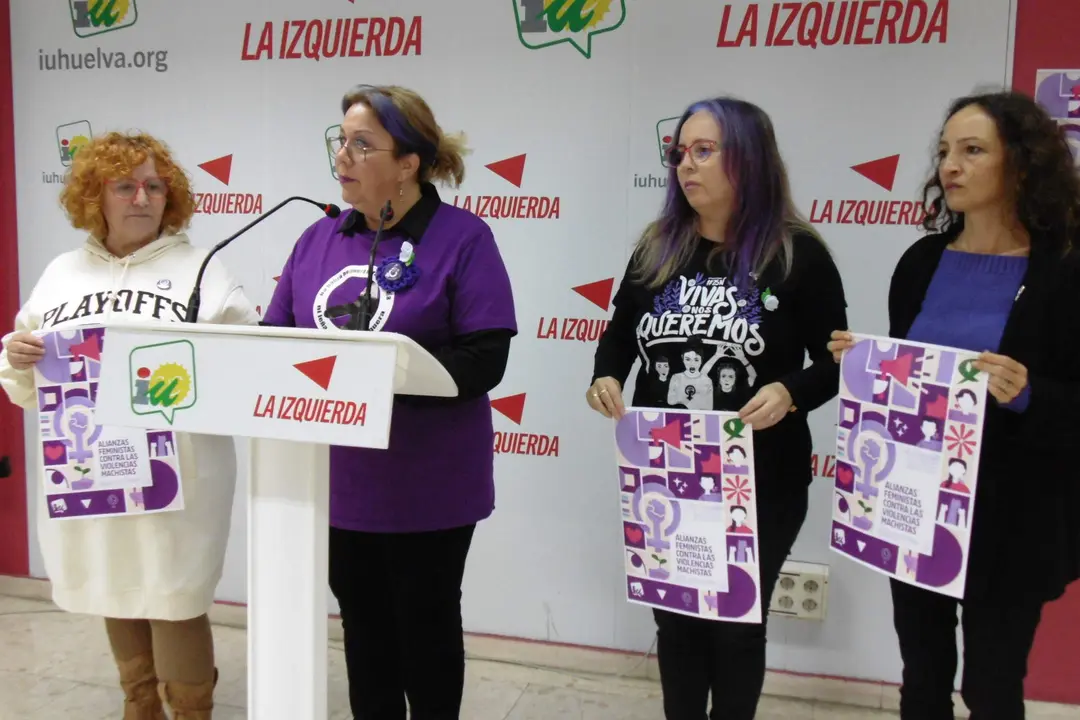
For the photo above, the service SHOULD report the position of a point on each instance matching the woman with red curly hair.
(151, 576)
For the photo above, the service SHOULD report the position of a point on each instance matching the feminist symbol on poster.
(907, 460)
(87, 469)
(689, 513)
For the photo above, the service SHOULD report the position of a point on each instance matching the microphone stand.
(362, 319)
(195, 299)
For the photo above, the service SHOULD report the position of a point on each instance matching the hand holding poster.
(908, 445)
(89, 469)
(689, 512)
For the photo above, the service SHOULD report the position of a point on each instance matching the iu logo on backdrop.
(880, 172)
(664, 138)
(515, 442)
(94, 17)
(225, 203)
(329, 135)
(580, 329)
(511, 207)
(70, 137)
(1058, 91)
(544, 23)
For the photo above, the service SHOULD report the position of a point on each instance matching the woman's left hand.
(767, 408)
(1008, 378)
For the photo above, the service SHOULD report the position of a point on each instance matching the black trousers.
(997, 640)
(697, 656)
(403, 633)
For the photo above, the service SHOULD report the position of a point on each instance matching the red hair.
(114, 156)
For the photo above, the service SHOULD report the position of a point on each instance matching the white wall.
(548, 564)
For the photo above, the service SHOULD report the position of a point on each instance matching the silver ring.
(601, 391)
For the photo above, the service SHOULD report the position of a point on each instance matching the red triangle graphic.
(670, 434)
(712, 465)
(900, 368)
(511, 169)
(512, 406)
(221, 168)
(598, 293)
(88, 348)
(276, 278)
(318, 371)
(938, 407)
(881, 171)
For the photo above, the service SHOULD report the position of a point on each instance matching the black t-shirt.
(705, 343)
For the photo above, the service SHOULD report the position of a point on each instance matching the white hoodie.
(159, 566)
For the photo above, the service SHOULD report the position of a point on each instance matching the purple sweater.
(968, 302)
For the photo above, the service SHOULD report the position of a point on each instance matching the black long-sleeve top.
(706, 343)
(1025, 541)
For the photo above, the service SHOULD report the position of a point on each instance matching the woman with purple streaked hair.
(732, 266)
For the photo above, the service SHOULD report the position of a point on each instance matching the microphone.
(195, 299)
(362, 320)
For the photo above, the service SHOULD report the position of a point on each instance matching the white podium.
(294, 392)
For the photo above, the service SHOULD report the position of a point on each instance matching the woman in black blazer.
(998, 275)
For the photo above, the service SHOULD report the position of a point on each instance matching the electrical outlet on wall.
(801, 591)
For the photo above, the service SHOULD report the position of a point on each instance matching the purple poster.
(689, 513)
(90, 470)
(1058, 91)
(909, 435)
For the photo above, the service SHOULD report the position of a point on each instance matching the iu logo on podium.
(163, 379)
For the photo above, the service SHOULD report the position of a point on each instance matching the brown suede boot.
(137, 678)
(187, 701)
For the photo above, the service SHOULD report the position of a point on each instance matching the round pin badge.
(164, 284)
(394, 275)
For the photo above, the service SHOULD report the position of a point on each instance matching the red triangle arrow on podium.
(512, 406)
(319, 371)
(511, 169)
(598, 293)
(221, 168)
(880, 172)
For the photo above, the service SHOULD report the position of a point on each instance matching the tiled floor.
(55, 666)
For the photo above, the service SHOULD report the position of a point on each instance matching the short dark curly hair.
(1039, 163)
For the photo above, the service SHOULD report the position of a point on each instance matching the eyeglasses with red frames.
(699, 151)
(127, 188)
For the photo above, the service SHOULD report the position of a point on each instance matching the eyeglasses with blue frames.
(699, 151)
(356, 146)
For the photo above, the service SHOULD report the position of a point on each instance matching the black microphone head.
(387, 213)
(331, 210)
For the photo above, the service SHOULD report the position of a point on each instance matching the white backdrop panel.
(547, 565)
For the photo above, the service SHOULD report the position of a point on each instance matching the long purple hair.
(763, 217)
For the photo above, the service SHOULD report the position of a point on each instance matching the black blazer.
(1026, 523)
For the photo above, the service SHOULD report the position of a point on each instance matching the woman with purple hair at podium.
(151, 576)
(412, 508)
